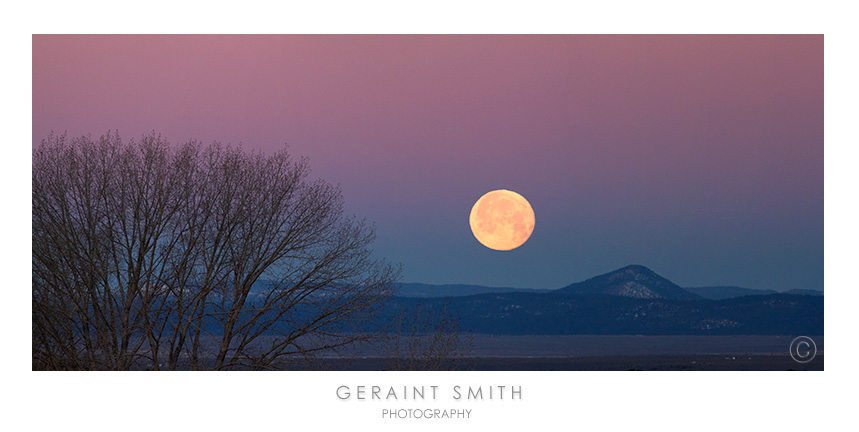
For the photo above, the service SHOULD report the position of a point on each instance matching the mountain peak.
(631, 281)
(636, 269)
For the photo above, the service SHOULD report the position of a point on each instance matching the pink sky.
(700, 157)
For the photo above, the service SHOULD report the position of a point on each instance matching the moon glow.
(502, 220)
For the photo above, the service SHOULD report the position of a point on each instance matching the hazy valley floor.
(606, 353)
(626, 345)
(570, 353)
(710, 362)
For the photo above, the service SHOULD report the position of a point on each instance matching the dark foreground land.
(597, 353)
(476, 352)
(705, 362)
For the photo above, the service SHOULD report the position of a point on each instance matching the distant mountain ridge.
(726, 292)
(631, 300)
(634, 281)
(804, 292)
(419, 290)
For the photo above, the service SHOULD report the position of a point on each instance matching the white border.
(567, 400)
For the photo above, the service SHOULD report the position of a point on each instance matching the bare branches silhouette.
(426, 338)
(159, 256)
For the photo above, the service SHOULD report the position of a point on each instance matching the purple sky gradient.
(700, 157)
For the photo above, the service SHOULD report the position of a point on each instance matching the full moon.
(502, 220)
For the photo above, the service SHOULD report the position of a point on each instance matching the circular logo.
(803, 349)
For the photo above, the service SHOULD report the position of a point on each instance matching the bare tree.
(148, 255)
(426, 337)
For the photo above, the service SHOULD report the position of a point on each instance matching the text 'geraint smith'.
(345, 392)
